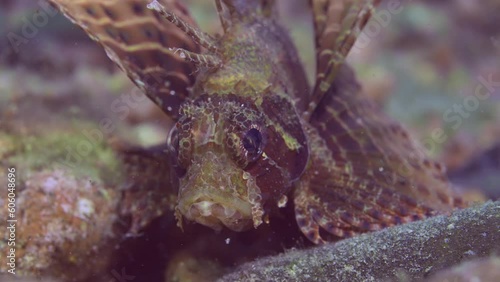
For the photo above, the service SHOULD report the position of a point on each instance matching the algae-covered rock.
(407, 252)
(64, 216)
(65, 226)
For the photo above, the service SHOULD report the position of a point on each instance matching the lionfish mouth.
(214, 193)
(217, 194)
(215, 214)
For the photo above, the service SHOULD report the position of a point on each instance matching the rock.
(410, 251)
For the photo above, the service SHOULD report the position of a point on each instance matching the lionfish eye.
(173, 140)
(252, 142)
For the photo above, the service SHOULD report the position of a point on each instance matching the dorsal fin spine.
(198, 36)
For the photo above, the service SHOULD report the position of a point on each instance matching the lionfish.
(250, 134)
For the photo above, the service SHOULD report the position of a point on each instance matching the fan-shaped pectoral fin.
(317, 202)
(331, 204)
(365, 171)
(150, 189)
(159, 52)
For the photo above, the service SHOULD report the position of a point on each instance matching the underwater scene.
(234, 140)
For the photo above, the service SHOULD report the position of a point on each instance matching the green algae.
(77, 194)
(58, 149)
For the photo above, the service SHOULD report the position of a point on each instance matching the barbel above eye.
(252, 143)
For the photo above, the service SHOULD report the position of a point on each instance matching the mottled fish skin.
(248, 128)
(242, 122)
(238, 141)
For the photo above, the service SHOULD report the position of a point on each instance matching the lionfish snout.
(214, 192)
(215, 215)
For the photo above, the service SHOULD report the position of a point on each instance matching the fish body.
(250, 133)
(240, 141)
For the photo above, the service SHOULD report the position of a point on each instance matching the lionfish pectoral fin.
(142, 43)
(344, 203)
(337, 26)
(365, 171)
(149, 190)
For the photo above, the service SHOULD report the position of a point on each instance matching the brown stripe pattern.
(337, 25)
(366, 173)
(141, 43)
